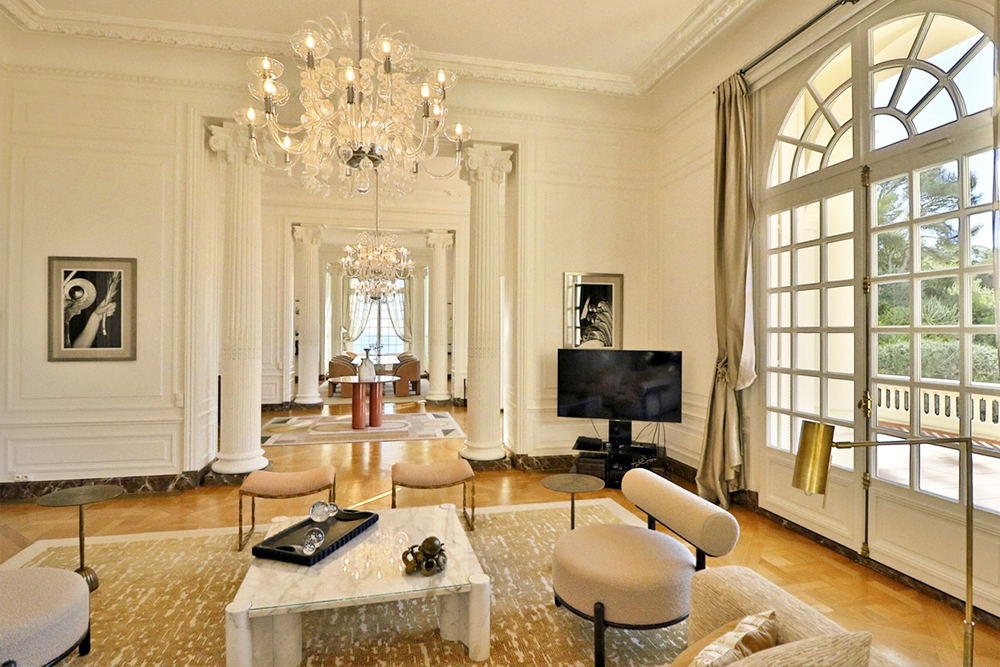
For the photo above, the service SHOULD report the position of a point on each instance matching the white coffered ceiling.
(595, 45)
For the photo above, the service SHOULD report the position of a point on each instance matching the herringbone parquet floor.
(915, 629)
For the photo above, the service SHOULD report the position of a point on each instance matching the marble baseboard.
(560, 462)
(141, 484)
(277, 407)
(486, 466)
(678, 469)
(309, 407)
(460, 402)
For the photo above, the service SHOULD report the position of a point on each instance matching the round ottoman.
(643, 577)
(45, 614)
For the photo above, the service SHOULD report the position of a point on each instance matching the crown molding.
(682, 43)
(33, 17)
(697, 29)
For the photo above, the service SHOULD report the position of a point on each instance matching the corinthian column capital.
(486, 165)
(306, 234)
(440, 240)
(233, 142)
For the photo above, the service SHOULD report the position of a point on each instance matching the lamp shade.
(812, 463)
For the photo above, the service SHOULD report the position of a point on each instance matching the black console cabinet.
(611, 462)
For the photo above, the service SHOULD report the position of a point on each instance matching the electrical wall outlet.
(24, 477)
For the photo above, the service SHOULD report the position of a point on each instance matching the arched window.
(818, 131)
(928, 70)
(908, 98)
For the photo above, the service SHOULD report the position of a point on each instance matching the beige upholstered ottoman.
(44, 616)
(437, 476)
(269, 484)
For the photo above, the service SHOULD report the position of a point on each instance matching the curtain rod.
(801, 29)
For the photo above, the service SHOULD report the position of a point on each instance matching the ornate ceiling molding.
(697, 29)
(709, 17)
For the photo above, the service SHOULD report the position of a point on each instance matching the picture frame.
(92, 309)
(593, 307)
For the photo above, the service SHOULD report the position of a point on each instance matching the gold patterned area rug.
(162, 599)
(324, 430)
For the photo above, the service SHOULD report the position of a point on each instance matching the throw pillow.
(754, 633)
(692, 651)
(844, 649)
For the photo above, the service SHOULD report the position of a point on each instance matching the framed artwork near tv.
(92, 309)
(593, 310)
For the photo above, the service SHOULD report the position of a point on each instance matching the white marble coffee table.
(264, 622)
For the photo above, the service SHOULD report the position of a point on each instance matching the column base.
(307, 402)
(308, 399)
(234, 466)
(440, 399)
(484, 453)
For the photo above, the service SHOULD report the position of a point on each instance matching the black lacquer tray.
(340, 529)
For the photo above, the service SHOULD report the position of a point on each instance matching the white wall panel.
(925, 538)
(94, 451)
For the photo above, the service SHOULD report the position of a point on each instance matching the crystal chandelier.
(377, 261)
(361, 118)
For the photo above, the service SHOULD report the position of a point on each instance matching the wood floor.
(912, 628)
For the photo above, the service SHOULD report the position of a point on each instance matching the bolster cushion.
(43, 612)
(707, 526)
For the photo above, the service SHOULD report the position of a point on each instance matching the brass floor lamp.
(812, 469)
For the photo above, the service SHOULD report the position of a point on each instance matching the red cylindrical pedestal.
(358, 406)
(375, 404)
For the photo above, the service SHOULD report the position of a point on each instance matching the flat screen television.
(623, 385)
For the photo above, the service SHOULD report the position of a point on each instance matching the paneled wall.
(89, 179)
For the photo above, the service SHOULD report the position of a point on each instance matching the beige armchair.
(623, 576)
(341, 366)
(724, 595)
(408, 372)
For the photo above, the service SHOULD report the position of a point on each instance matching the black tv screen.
(620, 384)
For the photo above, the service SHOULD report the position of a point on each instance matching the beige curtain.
(357, 309)
(400, 312)
(721, 469)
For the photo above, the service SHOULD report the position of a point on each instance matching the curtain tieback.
(722, 368)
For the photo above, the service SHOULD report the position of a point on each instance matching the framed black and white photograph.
(92, 309)
(593, 305)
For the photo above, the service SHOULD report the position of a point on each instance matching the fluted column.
(437, 365)
(239, 361)
(460, 318)
(307, 242)
(485, 169)
(335, 297)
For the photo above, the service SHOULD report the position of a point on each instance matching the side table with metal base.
(80, 496)
(573, 483)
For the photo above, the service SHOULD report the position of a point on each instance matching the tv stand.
(619, 434)
(612, 459)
